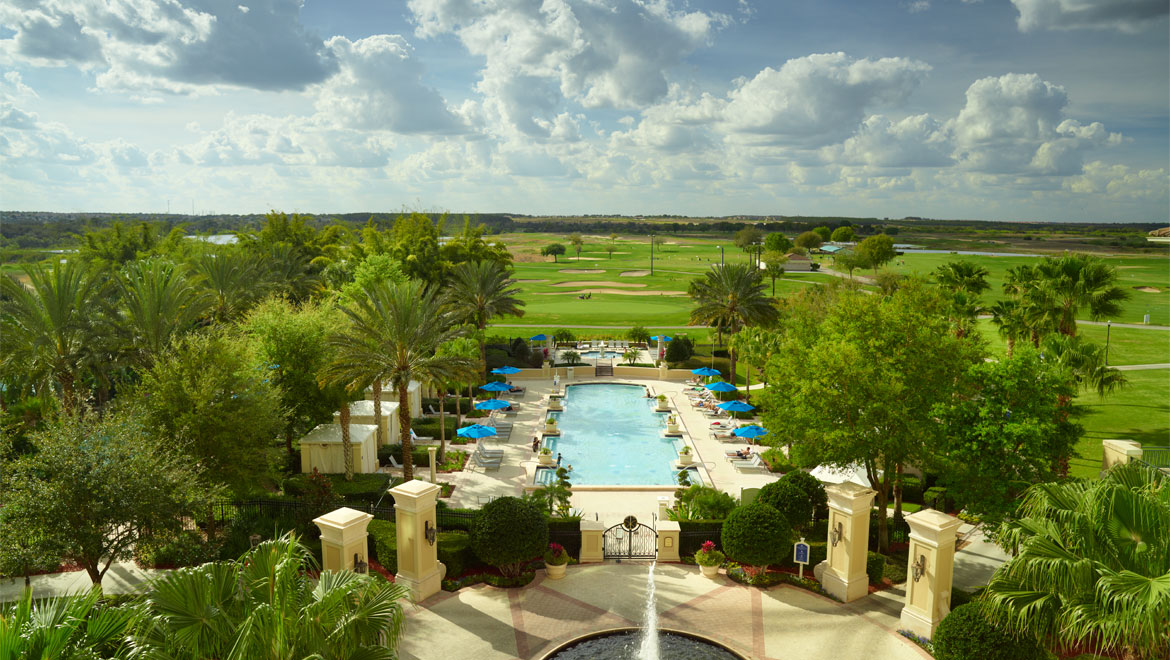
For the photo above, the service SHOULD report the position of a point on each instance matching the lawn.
(1138, 412)
(1126, 345)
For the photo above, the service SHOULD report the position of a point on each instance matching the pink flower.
(708, 546)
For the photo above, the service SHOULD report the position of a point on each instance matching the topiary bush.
(382, 541)
(756, 535)
(966, 634)
(507, 532)
(789, 499)
(454, 549)
(875, 567)
(814, 490)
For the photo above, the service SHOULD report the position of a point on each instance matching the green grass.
(1138, 412)
(1126, 345)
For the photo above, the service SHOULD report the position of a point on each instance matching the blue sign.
(800, 552)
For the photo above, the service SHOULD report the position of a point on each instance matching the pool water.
(591, 355)
(611, 435)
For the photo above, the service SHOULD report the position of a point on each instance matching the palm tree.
(233, 279)
(1034, 307)
(156, 302)
(1092, 565)
(66, 627)
(1008, 317)
(1084, 362)
(962, 276)
(267, 606)
(729, 298)
(47, 328)
(465, 349)
(395, 330)
(748, 343)
(1077, 281)
(481, 291)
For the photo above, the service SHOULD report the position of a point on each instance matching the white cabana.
(362, 412)
(322, 449)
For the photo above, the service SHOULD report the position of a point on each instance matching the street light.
(1108, 327)
(720, 255)
(651, 254)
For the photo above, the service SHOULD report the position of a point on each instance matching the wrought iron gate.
(630, 540)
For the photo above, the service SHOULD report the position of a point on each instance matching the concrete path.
(1140, 367)
(486, 623)
(123, 577)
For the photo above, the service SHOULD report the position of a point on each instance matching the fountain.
(646, 643)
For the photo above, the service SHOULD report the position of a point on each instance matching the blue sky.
(1023, 110)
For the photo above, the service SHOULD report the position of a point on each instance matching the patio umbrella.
(476, 431)
(736, 406)
(505, 370)
(492, 404)
(721, 386)
(664, 338)
(752, 431)
(495, 386)
(706, 371)
(540, 337)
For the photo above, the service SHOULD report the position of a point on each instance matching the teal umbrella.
(721, 386)
(736, 406)
(505, 370)
(752, 431)
(476, 431)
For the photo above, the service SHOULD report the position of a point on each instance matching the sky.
(1038, 110)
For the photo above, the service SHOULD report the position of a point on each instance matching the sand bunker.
(531, 280)
(579, 271)
(620, 292)
(634, 273)
(1148, 289)
(631, 285)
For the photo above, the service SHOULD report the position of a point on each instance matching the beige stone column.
(1119, 451)
(843, 572)
(668, 533)
(418, 562)
(592, 551)
(663, 505)
(343, 538)
(663, 371)
(546, 370)
(929, 571)
(431, 455)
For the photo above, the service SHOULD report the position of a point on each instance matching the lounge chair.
(421, 438)
(756, 463)
(487, 463)
(432, 411)
(731, 455)
(394, 462)
(489, 453)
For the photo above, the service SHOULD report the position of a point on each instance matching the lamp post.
(651, 254)
(1108, 327)
(720, 255)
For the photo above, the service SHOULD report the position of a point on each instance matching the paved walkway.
(122, 578)
(1140, 367)
(486, 623)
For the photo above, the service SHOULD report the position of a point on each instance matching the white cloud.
(1124, 15)
(916, 141)
(1121, 182)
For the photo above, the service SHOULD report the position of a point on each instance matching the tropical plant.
(395, 331)
(1083, 362)
(571, 357)
(465, 349)
(774, 267)
(708, 555)
(269, 605)
(750, 344)
(481, 291)
(234, 280)
(1008, 316)
(508, 532)
(729, 298)
(630, 356)
(70, 627)
(1091, 565)
(556, 555)
(47, 328)
(638, 334)
(156, 303)
(1074, 282)
(962, 276)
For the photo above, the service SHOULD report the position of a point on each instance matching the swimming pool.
(598, 354)
(611, 435)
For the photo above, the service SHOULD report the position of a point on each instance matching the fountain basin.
(625, 644)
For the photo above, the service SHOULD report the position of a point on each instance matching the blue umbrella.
(721, 386)
(540, 337)
(706, 371)
(492, 404)
(664, 338)
(505, 370)
(476, 431)
(752, 431)
(496, 386)
(736, 406)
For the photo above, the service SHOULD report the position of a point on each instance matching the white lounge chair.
(756, 463)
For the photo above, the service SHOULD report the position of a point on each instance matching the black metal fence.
(227, 510)
(1156, 457)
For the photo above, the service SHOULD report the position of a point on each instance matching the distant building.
(798, 263)
(1159, 235)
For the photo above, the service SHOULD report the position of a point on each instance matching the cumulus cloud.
(916, 141)
(170, 45)
(379, 87)
(1124, 15)
(251, 140)
(1121, 182)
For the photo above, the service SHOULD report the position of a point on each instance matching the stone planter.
(686, 459)
(663, 406)
(709, 571)
(551, 429)
(555, 571)
(555, 404)
(672, 428)
(545, 459)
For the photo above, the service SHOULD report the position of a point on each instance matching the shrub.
(555, 555)
(895, 570)
(776, 460)
(813, 489)
(679, 350)
(787, 497)
(708, 555)
(571, 357)
(187, 547)
(564, 334)
(936, 498)
(966, 634)
(429, 426)
(507, 532)
(875, 567)
(911, 489)
(721, 353)
(382, 541)
(756, 535)
(237, 537)
(454, 549)
(703, 503)
(638, 333)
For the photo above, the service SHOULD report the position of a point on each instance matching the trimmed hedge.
(507, 532)
(429, 427)
(757, 535)
(382, 544)
(875, 567)
(454, 549)
(911, 489)
(966, 634)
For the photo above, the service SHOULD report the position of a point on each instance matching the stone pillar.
(663, 372)
(1119, 451)
(663, 505)
(592, 551)
(418, 561)
(431, 455)
(930, 570)
(843, 573)
(343, 537)
(546, 370)
(668, 533)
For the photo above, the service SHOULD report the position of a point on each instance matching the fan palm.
(962, 276)
(233, 279)
(481, 291)
(267, 607)
(1092, 567)
(46, 328)
(1035, 308)
(155, 303)
(465, 349)
(1078, 281)
(729, 298)
(393, 334)
(1008, 317)
(72, 627)
(1084, 362)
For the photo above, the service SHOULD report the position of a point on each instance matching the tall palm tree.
(749, 344)
(481, 291)
(1084, 363)
(1008, 317)
(465, 349)
(1035, 307)
(1078, 281)
(962, 276)
(267, 606)
(394, 332)
(155, 302)
(233, 279)
(1092, 565)
(729, 298)
(47, 327)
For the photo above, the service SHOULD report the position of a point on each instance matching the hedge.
(692, 533)
(507, 532)
(966, 634)
(911, 489)
(382, 544)
(428, 427)
(454, 549)
(757, 535)
(875, 567)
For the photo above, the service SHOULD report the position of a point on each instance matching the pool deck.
(486, 623)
